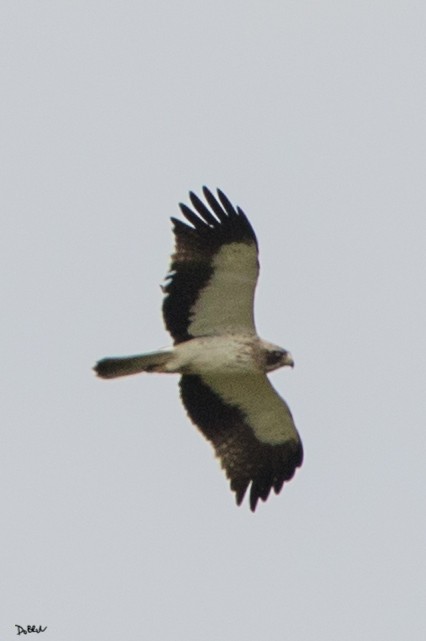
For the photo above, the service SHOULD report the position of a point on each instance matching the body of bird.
(209, 310)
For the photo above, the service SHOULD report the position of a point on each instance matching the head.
(276, 357)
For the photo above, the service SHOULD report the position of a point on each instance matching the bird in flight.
(208, 308)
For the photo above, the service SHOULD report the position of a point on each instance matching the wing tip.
(217, 217)
(261, 486)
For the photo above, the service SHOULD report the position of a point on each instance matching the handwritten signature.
(30, 628)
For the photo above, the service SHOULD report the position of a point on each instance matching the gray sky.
(116, 518)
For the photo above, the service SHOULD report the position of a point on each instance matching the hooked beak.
(288, 360)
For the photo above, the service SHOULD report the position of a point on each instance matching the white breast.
(216, 354)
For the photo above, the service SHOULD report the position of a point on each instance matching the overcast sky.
(117, 521)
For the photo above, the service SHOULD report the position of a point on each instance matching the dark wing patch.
(196, 245)
(245, 459)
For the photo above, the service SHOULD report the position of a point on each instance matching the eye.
(274, 357)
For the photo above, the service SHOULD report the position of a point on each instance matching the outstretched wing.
(250, 427)
(213, 274)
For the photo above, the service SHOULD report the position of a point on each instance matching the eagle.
(208, 309)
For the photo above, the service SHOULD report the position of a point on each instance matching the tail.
(114, 367)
